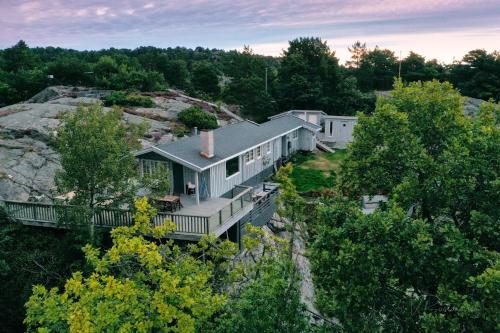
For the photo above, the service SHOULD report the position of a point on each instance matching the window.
(232, 166)
(149, 166)
(344, 124)
(295, 134)
(268, 147)
(331, 128)
(259, 152)
(249, 156)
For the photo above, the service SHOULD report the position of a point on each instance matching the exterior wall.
(219, 184)
(341, 132)
(313, 117)
(307, 140)
(215, 177)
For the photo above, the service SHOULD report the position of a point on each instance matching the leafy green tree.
(377, 70)
(18, 57)
(390, 272)
(205, 78)
(358, 50)
(250, 93)
(265, 294)
(428, 262)
(308, 75)
(137, 285)
(96, 156)
(177, 73)
(158, 182)
(71, 71)
(415, 68)
(195, 117)
(33, 256)
(478, 75)
(105, 67)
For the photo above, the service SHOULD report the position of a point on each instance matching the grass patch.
(315, 172)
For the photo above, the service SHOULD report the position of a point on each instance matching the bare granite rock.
(28, 163)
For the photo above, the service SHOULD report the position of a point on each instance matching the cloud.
(232, 23)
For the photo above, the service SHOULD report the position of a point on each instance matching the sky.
(441, 29)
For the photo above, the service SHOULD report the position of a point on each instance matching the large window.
(259, 152)
(147, 167)
(268, 147)
(232, 166)
(249, 156)
(295, 134)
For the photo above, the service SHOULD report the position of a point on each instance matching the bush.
(196, 117)
(123, 99)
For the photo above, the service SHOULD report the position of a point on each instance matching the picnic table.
(170, 202)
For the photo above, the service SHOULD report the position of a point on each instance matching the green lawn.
(315, 172)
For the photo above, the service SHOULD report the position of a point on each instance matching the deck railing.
(65, 216)
(241, 199)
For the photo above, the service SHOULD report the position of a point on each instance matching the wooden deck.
(193, 221)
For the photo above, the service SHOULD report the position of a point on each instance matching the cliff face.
(28, 162)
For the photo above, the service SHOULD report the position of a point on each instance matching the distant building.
(336, 131)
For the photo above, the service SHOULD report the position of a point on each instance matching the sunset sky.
(442, 29)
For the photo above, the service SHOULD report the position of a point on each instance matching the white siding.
(307, 140)
(218, 182)
(341, 130)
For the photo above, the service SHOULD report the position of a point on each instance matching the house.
(336, 130)
(217, 172)
(313, 116)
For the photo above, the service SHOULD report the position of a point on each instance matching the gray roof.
(229, 141)
(292, 112)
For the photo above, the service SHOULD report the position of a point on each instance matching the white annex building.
(336, 130)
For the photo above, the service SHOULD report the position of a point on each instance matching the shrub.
(196, 117)
(123, 99)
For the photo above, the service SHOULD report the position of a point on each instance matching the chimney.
(207, 144)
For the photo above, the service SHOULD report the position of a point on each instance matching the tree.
(391, 272)
(265, 293)
(415, 68)
(18, 57)
(195, 117)
(308, 75)
(71, 71)
(250, 93)
(177, 74)
(137, 285)
(478, 75)
(33, 256)
(206, 79)
(377, 70)
(96, 156)
(358, 51)
(428, 260)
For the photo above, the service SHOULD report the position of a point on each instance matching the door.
(178, 175)
(344, 132)
(283, 146)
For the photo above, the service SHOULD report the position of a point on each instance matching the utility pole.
(266, 80)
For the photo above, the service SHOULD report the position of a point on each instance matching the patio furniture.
(170, 203)
(190, 188)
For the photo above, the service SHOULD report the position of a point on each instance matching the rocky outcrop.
(28, 162)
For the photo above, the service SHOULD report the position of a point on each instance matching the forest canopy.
(307, 75)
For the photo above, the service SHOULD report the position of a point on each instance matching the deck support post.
(197, 187)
